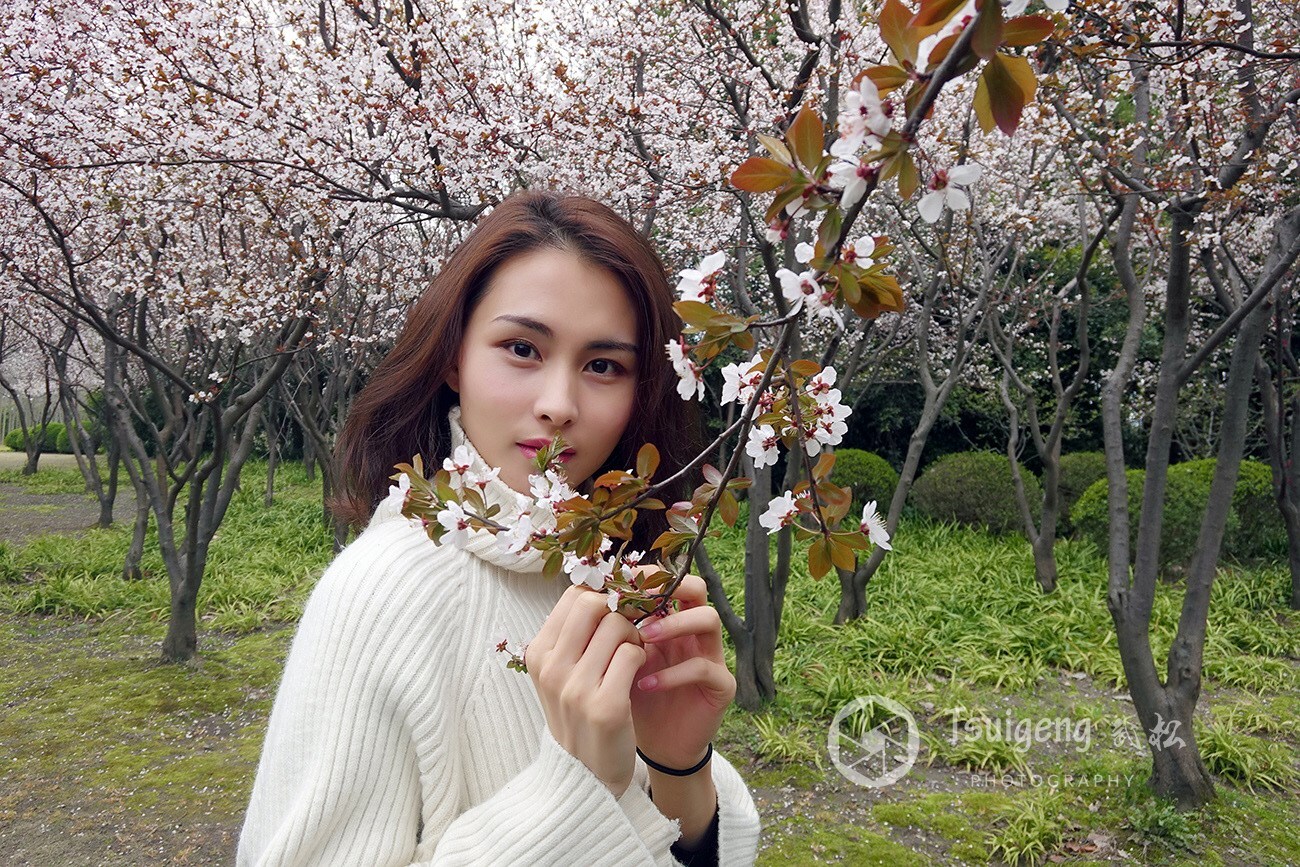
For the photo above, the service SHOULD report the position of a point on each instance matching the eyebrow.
(545, 330)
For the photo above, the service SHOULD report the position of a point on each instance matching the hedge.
(976, 489)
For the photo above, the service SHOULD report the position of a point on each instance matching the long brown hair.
(402, 411)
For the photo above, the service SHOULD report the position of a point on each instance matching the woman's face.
(550, 348)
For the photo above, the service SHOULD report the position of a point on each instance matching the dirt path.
(23, 515)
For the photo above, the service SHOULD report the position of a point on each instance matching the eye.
(521, 349)
(605, 367)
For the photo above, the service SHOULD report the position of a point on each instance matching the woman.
(398, 736)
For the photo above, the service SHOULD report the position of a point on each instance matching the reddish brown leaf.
(822, 468)
(805, 137)
(908, 180)
(762, 175)
(805, 367)
(647, 460)
(886, 78)
(728, 508)
(936, 12)
(1027, 30)
(1006, 99)
(896, 30)
(712, 474)
(988, 29)
(983, 108)
(819, 558)
(841, 555)
(776, 148)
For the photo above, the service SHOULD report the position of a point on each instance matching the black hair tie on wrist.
(708, 754)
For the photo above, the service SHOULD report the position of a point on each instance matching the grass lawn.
(112, 758)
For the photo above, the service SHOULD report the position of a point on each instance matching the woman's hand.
(583, 661)
(678, 713)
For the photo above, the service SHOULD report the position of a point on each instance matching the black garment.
(706, 854)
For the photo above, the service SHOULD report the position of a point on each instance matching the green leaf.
(762, 175)
(783, 198)
(848, 285)
(805, 137)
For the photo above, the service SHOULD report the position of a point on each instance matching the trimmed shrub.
(1078, 473)
(1186, 495)
(976, 489)
(52, 431)
(868, 475)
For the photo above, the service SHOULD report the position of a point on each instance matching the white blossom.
(458, 464)
(762, 445)
(802, 290)
(874, 526)
(781, 511)
(403, 485)
(516, 538)
(591, 571)
(739, 381)
(864, 114)
(696, 284)
(457, 523)
(689, 381)
(943, 193)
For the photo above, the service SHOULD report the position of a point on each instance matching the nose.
(557, 401)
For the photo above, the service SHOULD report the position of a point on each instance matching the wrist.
(678, 770)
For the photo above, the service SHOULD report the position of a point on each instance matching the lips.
(530, 448)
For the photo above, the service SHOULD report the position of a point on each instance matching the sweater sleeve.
(737, 823)
(341, 780)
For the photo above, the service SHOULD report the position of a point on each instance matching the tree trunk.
(1045, 561)
(181, 641)
(1178, 772)
(272, 460)
(131, 567)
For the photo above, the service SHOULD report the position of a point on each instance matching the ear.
(453, 378)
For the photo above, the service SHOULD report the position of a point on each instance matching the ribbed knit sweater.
(399, 737)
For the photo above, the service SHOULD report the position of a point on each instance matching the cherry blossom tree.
(1206, 108)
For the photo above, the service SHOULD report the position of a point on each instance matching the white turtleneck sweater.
(399, 737)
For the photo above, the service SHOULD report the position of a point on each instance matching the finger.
(692, 592)
(612, 631)
(551, 629)
(584, 618)
(703, 622)
(712, 678)
(623, 667)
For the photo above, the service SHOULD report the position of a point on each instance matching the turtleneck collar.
(512, 503)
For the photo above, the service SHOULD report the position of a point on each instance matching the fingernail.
(648, 683)
(651, 630)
